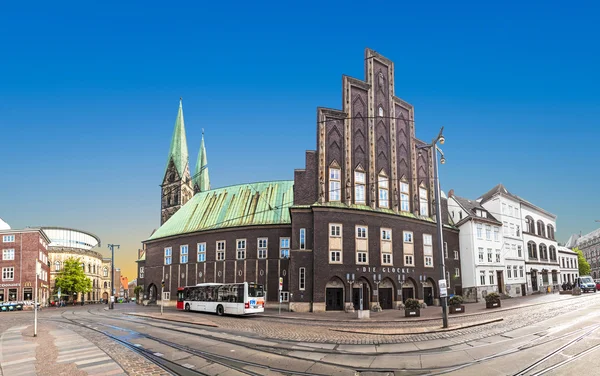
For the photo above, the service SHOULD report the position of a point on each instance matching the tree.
(584, 266)
(137, 291)
(71, 279)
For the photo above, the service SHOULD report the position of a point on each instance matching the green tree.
(584, 266)
(71, 279)
(137, 291)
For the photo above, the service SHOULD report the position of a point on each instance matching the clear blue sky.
(89, 94)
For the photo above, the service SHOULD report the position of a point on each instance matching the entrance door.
(500, 279)
(407, 293)
(523, 291)
(428, 295)
(534, 284)
(334, 299)
(385, 298)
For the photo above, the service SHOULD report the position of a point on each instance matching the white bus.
(222, 298)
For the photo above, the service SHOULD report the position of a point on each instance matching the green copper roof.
(201, 179)
(264, 203)
(178, 151)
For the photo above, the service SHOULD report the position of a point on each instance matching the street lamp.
(350, 279)
(112, 275)
(438, 212)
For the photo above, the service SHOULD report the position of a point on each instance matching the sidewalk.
(428, 314)
(55, 351)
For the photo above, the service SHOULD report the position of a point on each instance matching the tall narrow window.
(479, 231)
(262, 248)
(141, 272)
(201, 252)
(302, 238)
(221, 250)
(359, 187)
(183, 254)
(384, 201)
(488, 232)
(302, 279)
(423, 202)
(428, 250)
(404, 197)
(490, 255)
(386, 246)
(409, 250)
(362, 248)
(241, 249)
(284, 247)
(498, 255)
(335, 184)
(496, 234)
(445, 250)
(57, 266)
(168, 255)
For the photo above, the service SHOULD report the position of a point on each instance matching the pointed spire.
(178, 152)
(201, 179)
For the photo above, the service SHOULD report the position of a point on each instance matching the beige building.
(66, 243)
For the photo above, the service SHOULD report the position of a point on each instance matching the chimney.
(451, 193)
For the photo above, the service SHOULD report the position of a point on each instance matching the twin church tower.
(178, 186)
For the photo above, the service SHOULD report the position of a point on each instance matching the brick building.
(361, 215)
(21, 250)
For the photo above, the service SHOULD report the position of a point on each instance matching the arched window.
(541, 229)
(550, 232)
(360, 181)
(552, 253)
(94, 269)
(57, 266)
(529, 225)
(105, 285)
(89, 268)
(532, 250)
(543, 251)
(383, 185)
(423, 201)
(105, 271)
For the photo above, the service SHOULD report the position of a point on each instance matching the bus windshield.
(255, 291)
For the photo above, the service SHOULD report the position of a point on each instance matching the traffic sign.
(443, 289)
(280, 283)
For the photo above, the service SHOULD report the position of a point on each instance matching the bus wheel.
(187, 307)
(220, 310)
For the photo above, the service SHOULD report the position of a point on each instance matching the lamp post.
(377, 281)
(438, 212)
(112, 275)
(350, 280)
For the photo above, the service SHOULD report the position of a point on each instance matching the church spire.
(178, 152)
(201, 179)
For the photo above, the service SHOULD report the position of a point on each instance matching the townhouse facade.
(569, 265)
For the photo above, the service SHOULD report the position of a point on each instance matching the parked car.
(586, 284)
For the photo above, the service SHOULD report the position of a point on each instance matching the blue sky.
(89, 94)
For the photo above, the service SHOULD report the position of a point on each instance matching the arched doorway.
(334, 295)
(386, 294)
(429, 292)
(409, 290)
(152, 293)
(363, 284)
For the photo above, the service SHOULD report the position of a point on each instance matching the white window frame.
(404, 197)
(335, 184)
(8, 254)
(490, 255)
(8, 273)
(410, 236)
(302, 279)
(488, 232)
(221, 246)
(423, 202)
(496, 234)
(445, 250)
(335, 230)
(8, 239)
(456, 255)
(479, 229)
(383, 185)
(302, 238)
(498, 256)
(183, 254)
(481, 254)
(385, 255)
(428, 250)
(201, 252)
(491, 277)
(387, 231)
(457, 272)
(240, 249)
(263, 248)
(362, 257)
(360, 190)
(168, 255)
(141, 272)
(362, 232)
(284, 247)
(338, 256)
(409, 260)
(482, 277)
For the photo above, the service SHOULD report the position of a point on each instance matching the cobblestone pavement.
(317, 331)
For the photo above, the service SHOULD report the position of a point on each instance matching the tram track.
(238, 365)
(540, 341)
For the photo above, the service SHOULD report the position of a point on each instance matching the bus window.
(181, 295)
(256, 291)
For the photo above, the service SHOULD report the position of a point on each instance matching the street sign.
(443, 289)
(280, 283)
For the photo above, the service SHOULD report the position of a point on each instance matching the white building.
(482, 260)
(589, 244)
(506, 208)
(569, 266)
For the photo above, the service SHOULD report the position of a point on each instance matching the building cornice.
(219, 230)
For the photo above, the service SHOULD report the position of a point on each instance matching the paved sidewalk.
(428, 314)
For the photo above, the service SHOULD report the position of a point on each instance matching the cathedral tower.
(201, 179)
(176, 188)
